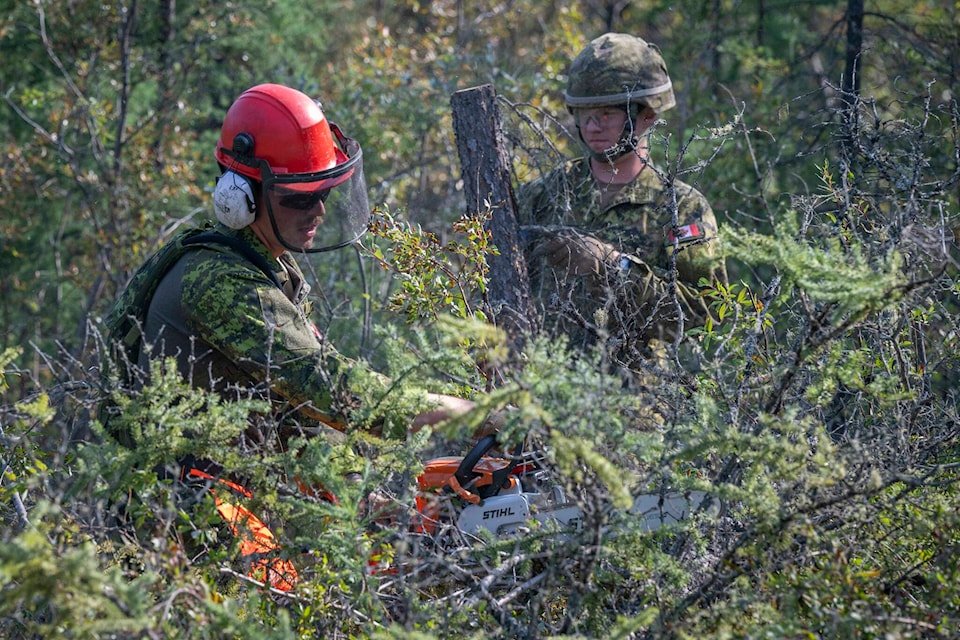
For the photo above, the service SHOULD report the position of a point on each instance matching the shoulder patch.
(686, 233)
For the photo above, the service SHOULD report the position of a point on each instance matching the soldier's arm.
(697, 242)
(253, 324)
(696, 245)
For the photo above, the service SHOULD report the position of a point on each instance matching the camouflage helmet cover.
(618, 69)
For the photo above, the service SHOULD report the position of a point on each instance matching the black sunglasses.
(303, 201)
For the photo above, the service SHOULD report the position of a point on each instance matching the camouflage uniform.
(650, 225)
(232, 330)
(635, 311)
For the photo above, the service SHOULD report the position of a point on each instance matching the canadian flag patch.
(686, 233)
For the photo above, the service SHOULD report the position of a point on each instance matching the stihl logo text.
(497, 513)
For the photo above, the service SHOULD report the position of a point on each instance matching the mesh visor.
(337, 198)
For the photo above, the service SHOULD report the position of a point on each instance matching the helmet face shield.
(321, 211)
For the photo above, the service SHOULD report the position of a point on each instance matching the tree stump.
(485, 170)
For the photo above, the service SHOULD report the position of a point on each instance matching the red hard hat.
(279, 126)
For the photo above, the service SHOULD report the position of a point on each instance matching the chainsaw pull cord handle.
(466, 494)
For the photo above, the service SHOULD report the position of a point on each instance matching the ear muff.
(233, 201)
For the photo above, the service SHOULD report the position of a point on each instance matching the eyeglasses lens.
(304, 201)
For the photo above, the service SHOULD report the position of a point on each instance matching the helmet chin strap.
(628, 143)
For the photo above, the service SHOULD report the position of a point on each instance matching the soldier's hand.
(493, 424)
(577, 254)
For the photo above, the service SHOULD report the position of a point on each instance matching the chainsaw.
(464, 497)
(503, 495)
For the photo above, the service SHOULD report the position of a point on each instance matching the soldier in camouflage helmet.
(605, 230)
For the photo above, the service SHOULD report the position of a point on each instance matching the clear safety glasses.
(603, 117)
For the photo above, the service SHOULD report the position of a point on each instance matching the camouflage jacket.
(231, 329)
(642, 220)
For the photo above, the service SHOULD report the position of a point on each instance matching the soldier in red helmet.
(278, 140)
(235, 313)
(230, 304)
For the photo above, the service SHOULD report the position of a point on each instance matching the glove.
(495, 421)
(576, 254)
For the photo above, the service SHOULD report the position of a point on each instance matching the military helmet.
(281, 139)
(619, 69)
(281, 129)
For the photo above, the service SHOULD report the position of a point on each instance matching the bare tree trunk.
(854, 18)
(850, 87)
(125, 40)
(613, 13)
(714, 47)
(167, 10)
(761, 17)
(485, 169)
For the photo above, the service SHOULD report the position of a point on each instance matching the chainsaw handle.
(464, 473)
(462, 480)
